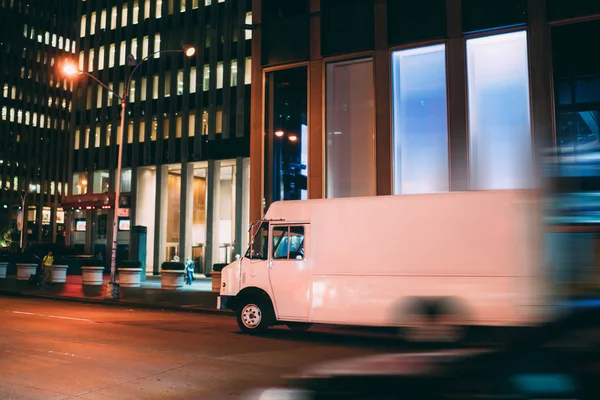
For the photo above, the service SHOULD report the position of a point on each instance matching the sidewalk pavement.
(197, 298)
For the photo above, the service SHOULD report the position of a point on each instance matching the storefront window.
(499, 112)
(420, 128)
(225, 201)
(350, 127)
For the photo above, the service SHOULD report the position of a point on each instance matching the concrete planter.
(3, 267)
(130, 277)
(24, 271)
(92, 276)
(216, 281)
(59, 273)
(172, 280)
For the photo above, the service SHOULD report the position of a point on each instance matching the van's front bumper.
(225, 302)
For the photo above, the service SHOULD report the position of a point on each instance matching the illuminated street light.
(293, 138)
(279, 133)
(69, 69)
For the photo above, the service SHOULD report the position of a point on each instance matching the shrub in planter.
(27, 265)
(219, 267)
(172, 274)
(130, 273)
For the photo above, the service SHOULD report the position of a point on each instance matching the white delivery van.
(445, 260)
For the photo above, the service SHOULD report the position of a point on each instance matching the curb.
(117, 303)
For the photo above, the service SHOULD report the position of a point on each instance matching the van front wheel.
(251, 316)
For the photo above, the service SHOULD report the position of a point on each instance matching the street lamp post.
(71, 70)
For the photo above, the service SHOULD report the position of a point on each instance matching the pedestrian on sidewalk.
(46, 268)
(189, 271)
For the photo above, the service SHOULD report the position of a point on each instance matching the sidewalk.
(198, 297)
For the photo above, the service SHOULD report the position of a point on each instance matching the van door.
(289, 271)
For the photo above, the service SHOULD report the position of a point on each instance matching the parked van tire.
(253, 315)
(299, 326)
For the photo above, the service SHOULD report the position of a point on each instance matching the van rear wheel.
(252, 317)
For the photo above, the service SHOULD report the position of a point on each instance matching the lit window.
(167, 83)
(111, 56)
(60, 42)
(99, 97)
(54, 38)
(103, 19)
(134, 47)
(155, 87)
(220, 75)
(87, 138)
(67, 44)
(143, 91)
(97, 137)
(206, 78)
(81, 61)
(248, 32)
(132, 91)
(158, 8)
(248, 71)
(234, 73)
(113, 18)
(145, 47)
(179, 83)
(156, 45)
(420, 129)
(101, 58)
(82, 27)
(193, 80)
(136, 12)
(192, 126)
(123, 55)
(194, 4)
(124, 15)
(93, 23)
(5, 90)
(147, 9)
(91, 61)
(499, 119)
(77, 134)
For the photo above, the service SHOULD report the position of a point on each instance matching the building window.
(158, 9)
(93, 24)
(77, 135)
(234, 73)
(136, 12)
(168, 84)
(156, 45)
(101, 58)
(124, 16)
(123, 53)
(145, 47)
(147, 9)
(83, 25)
(111, 56)
(220, 75)
(155, 87)
(248, 32)
(97, 137)
(420, 128)
(192, 126)
(248, 71)
(113, 18)
(499, 119)
(103, 20)
(134, 47)
(206, 78)
(350, 127)
(193, 80)
(286, 150)
(144, 88)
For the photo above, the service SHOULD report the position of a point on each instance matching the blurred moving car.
(560, 360)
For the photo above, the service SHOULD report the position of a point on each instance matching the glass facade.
(286, 139)
(350, 127)
(501, 151)
(420, 121)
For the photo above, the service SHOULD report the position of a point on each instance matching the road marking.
(51, 316)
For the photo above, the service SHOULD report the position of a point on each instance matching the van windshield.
(259, 247)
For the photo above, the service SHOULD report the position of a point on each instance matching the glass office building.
(185, 173)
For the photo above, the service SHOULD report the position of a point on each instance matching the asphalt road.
(62, 350)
